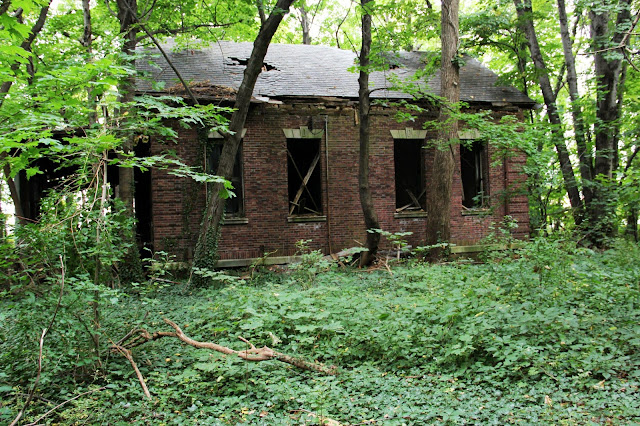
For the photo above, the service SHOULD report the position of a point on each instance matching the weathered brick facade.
(177, 203)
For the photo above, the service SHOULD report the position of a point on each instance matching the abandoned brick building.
(296, 174)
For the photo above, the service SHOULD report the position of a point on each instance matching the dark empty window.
(234, 207)
(409, 173)
(304, 177)
(474, 172)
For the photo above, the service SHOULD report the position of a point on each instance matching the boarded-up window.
(234, 207)
(474, 173)
(304, 176)
(409, 175)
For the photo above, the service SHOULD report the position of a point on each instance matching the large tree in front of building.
(364, 105)
(442, 164)
(206, 248)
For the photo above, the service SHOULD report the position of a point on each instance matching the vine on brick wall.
(195, 188)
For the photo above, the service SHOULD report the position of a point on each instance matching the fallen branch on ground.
(140, 336)
(127, 354)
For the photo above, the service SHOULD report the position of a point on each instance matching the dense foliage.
(549, 333)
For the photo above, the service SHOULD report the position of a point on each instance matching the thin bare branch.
(174, 31)
(166, 57)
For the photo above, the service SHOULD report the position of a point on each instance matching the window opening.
(234, 206)
(304, 177)
(411, 191)
(474, 173)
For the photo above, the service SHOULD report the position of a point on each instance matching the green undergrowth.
(547, 334)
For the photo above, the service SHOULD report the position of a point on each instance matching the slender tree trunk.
(364, 107)
(524, 11)
(442, 166)
(306, 25)
(206, 248)
(131, 268)
(127, 11)
(87, 42)
(632, 224)
(584, 156)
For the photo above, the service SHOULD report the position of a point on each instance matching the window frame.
(312, 172)
(412, 136)
(479, 149)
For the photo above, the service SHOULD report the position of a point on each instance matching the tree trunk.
(87, 43)
(524, 11)
(584, 156)
(442, 166)
(131, 268)
(127, 11)
(206, 248)
(364, 106)
(608, 67)
(306, 25)
(632, 224)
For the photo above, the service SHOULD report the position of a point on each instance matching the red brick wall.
(179, 202)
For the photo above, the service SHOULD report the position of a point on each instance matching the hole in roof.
(238, 61)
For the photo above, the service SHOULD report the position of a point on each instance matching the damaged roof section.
(312, 71)
(204, 89)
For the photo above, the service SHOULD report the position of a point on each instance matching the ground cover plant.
(549, 333)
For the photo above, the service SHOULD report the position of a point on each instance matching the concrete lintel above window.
(409, 133)
(303, 133)
(468, 134)
(214, 134)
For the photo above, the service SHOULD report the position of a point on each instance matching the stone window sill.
(480, 211)
(410, 215)
(306, 218)
(236, 220)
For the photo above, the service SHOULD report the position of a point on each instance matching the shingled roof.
(294, 70)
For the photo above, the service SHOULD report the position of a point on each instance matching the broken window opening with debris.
(234, 207)
(304, 177)
(411, 193)
(474, 174)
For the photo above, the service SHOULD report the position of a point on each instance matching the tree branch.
(252, 354)
(263, 16)
(127, 354)
(4, 7)
(174, 31)
(166, 57)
